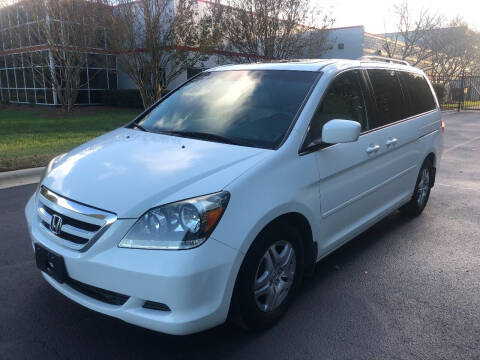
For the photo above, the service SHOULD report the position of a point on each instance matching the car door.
(349, 173)
(397, 126)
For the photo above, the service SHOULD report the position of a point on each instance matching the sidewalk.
(20, 177)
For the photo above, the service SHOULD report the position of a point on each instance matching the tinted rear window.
(388, 95)
(419, 94)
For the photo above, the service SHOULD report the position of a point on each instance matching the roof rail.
(384, 59)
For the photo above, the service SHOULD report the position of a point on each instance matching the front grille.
(79, 226)
(73, 222)
(66, 236)
(106, 296)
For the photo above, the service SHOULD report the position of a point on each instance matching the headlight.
(177, 226)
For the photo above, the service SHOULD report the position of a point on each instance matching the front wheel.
(422, 191)
(269, 277)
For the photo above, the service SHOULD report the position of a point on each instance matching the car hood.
(129, 171)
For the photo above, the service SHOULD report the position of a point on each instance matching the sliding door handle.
(373, 148)
(391, 141)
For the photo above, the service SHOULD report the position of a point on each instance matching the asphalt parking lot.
(405, 289)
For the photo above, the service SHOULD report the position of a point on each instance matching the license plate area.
(50, 263)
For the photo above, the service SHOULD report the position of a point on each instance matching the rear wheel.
(269, 277)
(422, 191)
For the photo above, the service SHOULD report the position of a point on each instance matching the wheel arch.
(301, 223)
(433, 160)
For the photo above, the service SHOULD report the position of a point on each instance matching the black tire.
(245, 312)
(417, 203)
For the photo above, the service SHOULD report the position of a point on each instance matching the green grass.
(31, 137)
(466, 104)
(449, 106)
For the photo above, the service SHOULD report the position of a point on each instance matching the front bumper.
(195, 284)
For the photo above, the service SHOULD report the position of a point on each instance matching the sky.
(375, 15)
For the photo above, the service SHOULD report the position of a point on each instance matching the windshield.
(251, 108)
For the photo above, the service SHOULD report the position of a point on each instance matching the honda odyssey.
(215, 201)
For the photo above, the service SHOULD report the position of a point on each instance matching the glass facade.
(26, 64)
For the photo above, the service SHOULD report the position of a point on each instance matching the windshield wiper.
(140, 127)
(200, 135)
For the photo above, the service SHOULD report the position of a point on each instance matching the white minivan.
(213, 203)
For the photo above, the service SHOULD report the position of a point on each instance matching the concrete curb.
(20, 177)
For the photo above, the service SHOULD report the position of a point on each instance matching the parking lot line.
(462, 144)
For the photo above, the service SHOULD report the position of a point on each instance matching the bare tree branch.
(256, 30)
(156, 40)
(411, 38)
(456, 49)
(67, 31)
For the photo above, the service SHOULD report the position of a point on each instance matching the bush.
(124, 98)
(440, 90)
(4, 98)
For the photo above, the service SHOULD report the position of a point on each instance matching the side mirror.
(340, 131)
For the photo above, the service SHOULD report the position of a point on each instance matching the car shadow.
(360, 244)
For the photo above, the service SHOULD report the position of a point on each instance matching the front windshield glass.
(251, 108)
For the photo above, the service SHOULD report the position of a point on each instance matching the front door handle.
(391, 141)
(373, 148)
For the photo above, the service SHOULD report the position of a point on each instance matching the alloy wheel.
(275, 275)
(423, 187)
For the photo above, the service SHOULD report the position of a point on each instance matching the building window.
(341, 46)
(25, 72)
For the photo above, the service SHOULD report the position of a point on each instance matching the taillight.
(443, 127)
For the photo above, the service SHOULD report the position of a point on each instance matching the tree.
(68, 30)
(156, 40)
(455, 50)
(256, 30)
(411, 37)
(444, 49)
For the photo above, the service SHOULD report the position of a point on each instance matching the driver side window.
(344, 99)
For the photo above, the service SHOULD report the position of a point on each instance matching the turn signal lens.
(443, 127)
(212, 218)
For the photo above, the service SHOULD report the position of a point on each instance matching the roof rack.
(384, 59)
(281, 61)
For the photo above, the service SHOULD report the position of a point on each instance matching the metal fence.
(458, 93)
